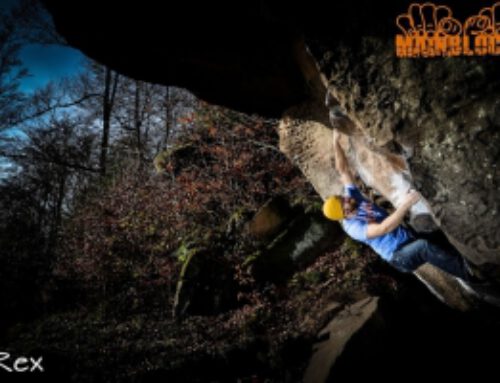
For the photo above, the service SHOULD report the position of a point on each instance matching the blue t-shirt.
(356, 226)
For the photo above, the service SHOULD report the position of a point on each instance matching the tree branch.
(50, 108)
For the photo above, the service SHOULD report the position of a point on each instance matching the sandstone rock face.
(402, 129)
(390, 155)
(307, 144)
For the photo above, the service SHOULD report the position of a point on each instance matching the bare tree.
(110, 86)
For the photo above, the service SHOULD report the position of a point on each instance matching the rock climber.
(368, 223)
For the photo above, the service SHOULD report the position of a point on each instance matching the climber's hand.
(411, 198)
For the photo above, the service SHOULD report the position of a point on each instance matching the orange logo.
(430, 30)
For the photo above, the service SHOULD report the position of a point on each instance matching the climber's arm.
(341, 163)
(394, 220)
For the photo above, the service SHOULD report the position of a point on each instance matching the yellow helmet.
(332, 208)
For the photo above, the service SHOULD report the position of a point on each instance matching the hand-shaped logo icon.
(428, 20)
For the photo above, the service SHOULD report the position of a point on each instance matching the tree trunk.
(55, 219)
(168, 115)
(110, 86)
(138, 120)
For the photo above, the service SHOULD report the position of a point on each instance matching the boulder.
(304, 239)
(431, 124)
(383, 338)
(336, 335)
(270, 218)
(205, 285)
(308, 143)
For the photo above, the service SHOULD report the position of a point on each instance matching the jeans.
(414, 254)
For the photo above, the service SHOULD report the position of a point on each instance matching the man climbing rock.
(366, 222)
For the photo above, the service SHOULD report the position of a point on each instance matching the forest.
(109, 186)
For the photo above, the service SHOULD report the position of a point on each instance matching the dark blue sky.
(46, 62)
(49, 62)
